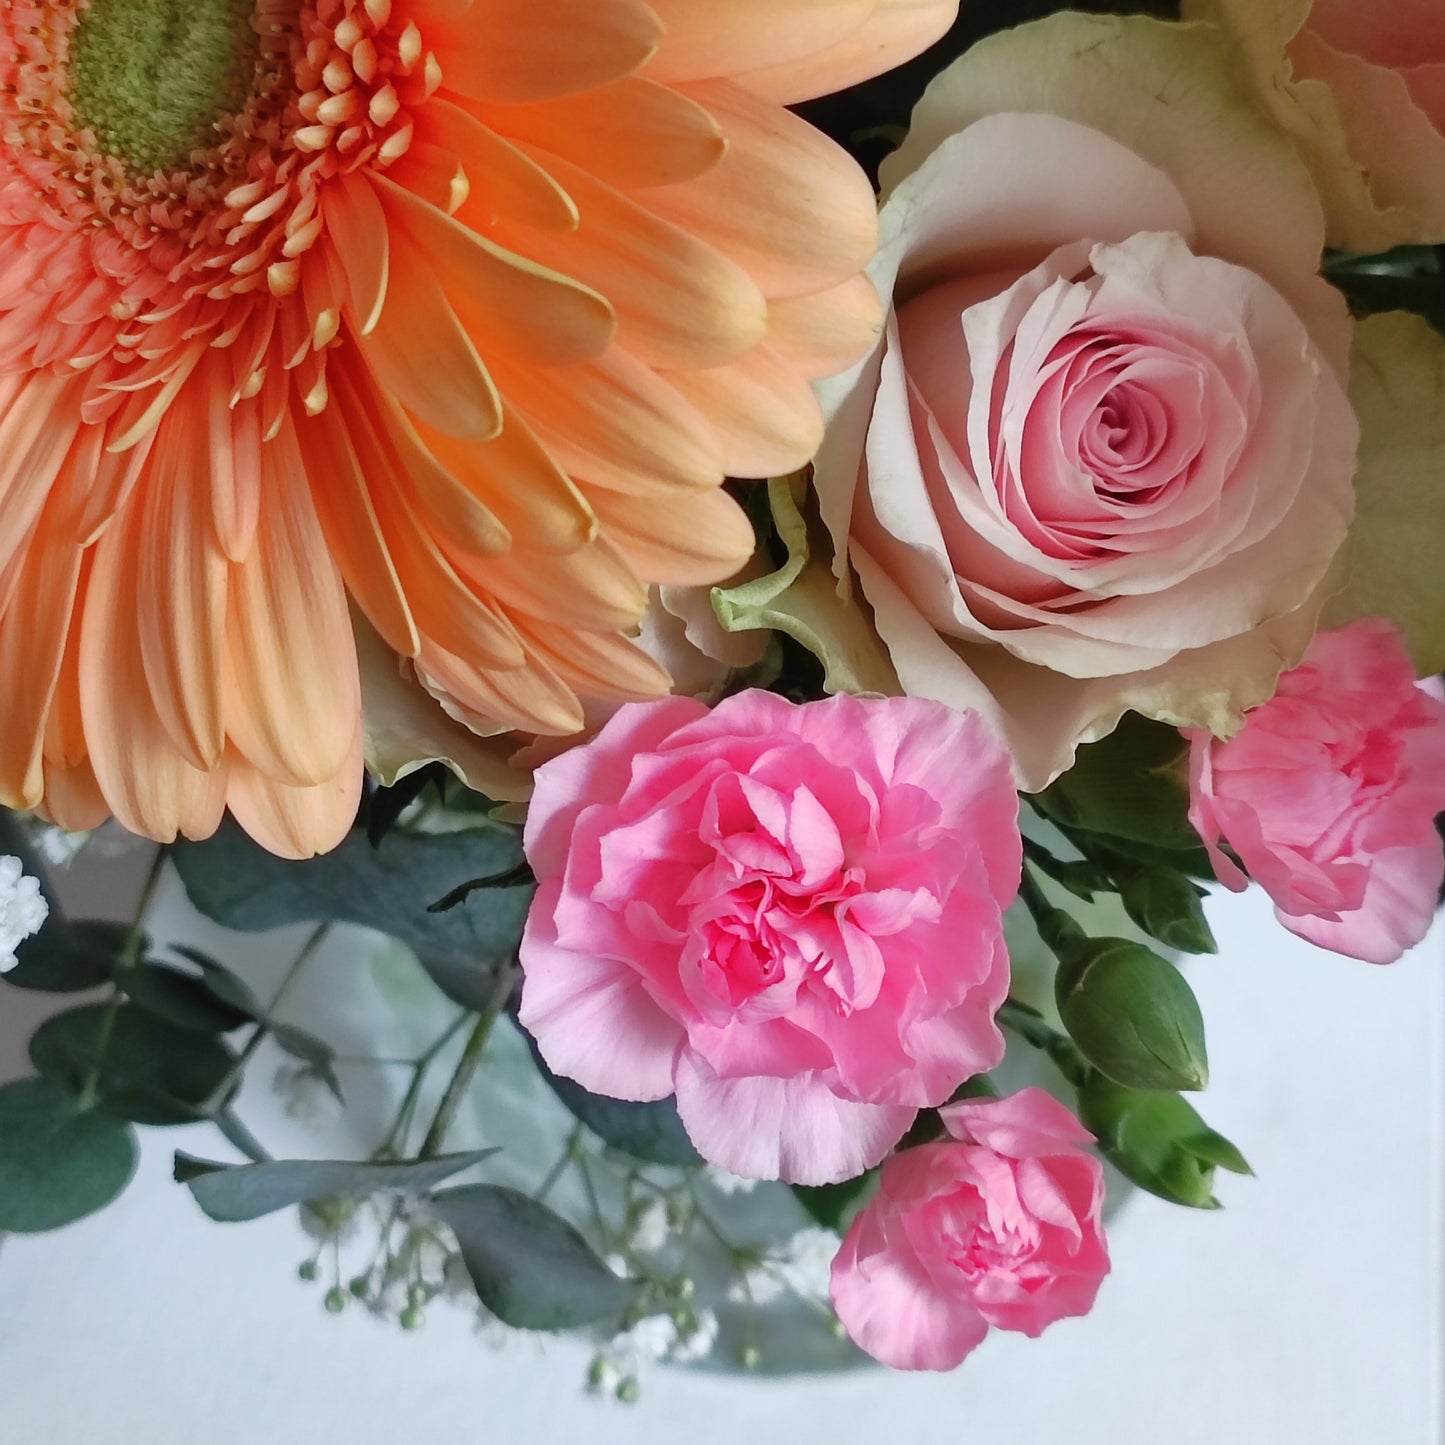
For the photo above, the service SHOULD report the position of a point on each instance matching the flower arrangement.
(770, 664)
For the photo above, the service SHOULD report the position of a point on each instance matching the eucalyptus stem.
(314, 940)
(390, 1147)
(238, 1135)
(569, 1152)
(127, 959)
(471, 1058)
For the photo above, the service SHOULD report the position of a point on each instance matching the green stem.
(563, 1160)
(237, 1134)
(471, 1058)
(1055, 927)
(390, 1147)
(1040, 1034)
(127, 959)
(313, 942)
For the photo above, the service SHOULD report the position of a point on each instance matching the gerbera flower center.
(152, 77)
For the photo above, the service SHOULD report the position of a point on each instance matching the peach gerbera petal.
(451, 313)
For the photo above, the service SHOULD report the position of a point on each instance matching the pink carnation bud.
(1328, 796)
(999, 1226)
(788, 915)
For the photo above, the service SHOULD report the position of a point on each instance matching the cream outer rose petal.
(1202, 165)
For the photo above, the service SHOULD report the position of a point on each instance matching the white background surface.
(1307, 1312)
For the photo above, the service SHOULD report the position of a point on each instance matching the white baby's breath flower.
(58, 846)
(649, 1229)
(304, 1094)
(22, 909)
(806, 1262)
(651, 1339)
(726, 1183)
(696, 1343)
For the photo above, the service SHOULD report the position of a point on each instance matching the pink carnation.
(1328, 796)
(790, 916)
(1000, 1226)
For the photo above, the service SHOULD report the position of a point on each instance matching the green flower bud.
(307, 1271)
(413, 1317)
(1131, 1014)
(334, 1300)
(630, 1390)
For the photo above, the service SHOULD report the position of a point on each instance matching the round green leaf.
(69, 959)
(57, 1164)
(150, 1071)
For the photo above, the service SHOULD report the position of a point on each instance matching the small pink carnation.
(789, 915)
(1328, 796)
(1000, 1226)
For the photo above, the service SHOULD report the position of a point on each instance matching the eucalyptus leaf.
(649, 1131)
(179, 998)
(236, 1194)
(386, 887)
(532, 1269)
(223, 984)
(148, 1070)
(57, 1163)
(70, 958)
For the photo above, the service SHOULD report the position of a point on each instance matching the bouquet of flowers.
(746, 564)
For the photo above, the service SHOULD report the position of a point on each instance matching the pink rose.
(788, 915)
(1360, 84)
(999, 1227)
(1102, 457)
(1328, 797)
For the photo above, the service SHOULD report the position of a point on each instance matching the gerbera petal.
(617, 423)
(504, 52)
(181, 604)
(150, 787)
(357, 231)
(823, 334)
(503, 181)
(698, 536)
(296, 822)
(632, 133)
(32, 649)
(292, 690)
(896, 31)
(704, 38)
(764, 411)
(421, 354)
(540, 316)
(822, 215)
(679, 300)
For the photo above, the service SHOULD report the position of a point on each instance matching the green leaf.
(235, 1194)
(520, 876)
(1158, 1141)
(835, 1206)
(179, 998)
(647, 1131)
(530, 1268)
(1132, 784)
(224, 985)
(801, 599)
(1131, 1014)
(237, 883)
(70, 959)
(1167, 906)
(58, 1164)
(150, 1071)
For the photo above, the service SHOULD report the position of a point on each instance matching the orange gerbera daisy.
(456, 311)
